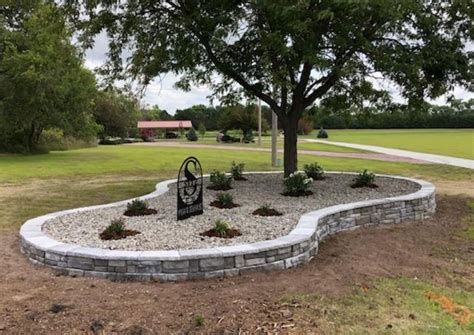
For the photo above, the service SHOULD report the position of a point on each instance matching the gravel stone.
(161, 231)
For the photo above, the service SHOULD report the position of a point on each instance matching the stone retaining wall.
(172, 265)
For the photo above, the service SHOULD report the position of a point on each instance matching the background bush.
(191, 135)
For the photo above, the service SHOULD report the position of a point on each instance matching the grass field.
(449, 142)
(266, 143)
(161, 162)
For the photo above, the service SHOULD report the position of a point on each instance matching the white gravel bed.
(162, 232)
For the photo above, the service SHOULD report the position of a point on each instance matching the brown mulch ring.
(219, 188)
(107, 235)
(297, 194)
(369, 186)
(266, 212)
(143, 212)
(245, 304)
(230, 233)
(218, 204)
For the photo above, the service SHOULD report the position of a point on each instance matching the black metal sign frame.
(189, 189)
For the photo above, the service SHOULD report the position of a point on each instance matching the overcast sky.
(162, 93)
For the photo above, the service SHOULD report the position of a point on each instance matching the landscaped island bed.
(161, 231)
(257, 243)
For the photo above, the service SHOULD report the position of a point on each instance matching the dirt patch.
(429, 250)
(461, 314)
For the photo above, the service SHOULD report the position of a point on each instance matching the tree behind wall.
(287, 53)
(42, 81)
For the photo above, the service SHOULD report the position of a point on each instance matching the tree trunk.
(290, 146)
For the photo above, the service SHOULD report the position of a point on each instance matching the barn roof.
(164, 124)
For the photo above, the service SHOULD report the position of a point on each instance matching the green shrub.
(220, 181)
(322, 133)
(364, 179)
(221, 227)
(191, 135)
(237, 171)
(54, 139)
(117, 226)
(225, 199)
(248, 136)
(266, 210)
(137, 205)
(297, 184)
(111, 140)
(265, 207)
(314, 170)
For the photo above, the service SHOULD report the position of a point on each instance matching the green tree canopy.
(43, 83)
(287, 53)
(117, 113)
(199, 114)
(240, 117)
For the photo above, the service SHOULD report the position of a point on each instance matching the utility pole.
(259, 123)
(274, 138)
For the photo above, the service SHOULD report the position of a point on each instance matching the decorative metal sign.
(190, 189)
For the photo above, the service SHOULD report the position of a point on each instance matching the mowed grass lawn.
(210, 139)
(163, 162)
(449, 142)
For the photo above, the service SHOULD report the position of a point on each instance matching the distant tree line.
(458, 114)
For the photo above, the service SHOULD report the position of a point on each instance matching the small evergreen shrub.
(248, 137)
(117, 226)
(314, 170)
(364, 179)
(236, 170)
(220, 181)
(191, 135)
(221, 227)
(138, 208)
(266, 210)
(297, 184)
(137, 205)
(322, 133)
(116, 231)
(225, 199)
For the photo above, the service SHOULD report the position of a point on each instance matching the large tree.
(43, 83)
(117, 112)
(287, 53)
